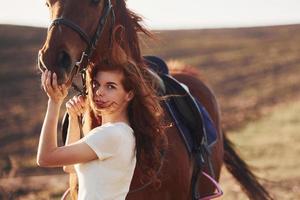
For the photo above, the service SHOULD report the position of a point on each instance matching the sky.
(174, 14)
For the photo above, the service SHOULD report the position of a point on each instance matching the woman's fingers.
(64, 89)
(54, 82)
(48, 80)
(51, 87)
(47, 83)
(70, 108)
(75, 105)
(82, 101)
(78, 105)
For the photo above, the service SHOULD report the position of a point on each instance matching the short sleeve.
(105, 142)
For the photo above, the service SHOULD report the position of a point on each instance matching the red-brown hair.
(145, 114)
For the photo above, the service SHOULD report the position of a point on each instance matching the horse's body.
(64, 46)
(178, 166)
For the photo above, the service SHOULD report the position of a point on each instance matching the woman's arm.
(49, 154)
(75, 107)
(48, 137)
(73, 135)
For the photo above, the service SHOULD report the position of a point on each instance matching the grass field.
(272, 146)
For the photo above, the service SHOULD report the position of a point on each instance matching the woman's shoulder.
(116, 128)
(123, 126)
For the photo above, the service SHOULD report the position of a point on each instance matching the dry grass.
(272, 146)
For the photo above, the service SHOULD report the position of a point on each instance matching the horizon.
(211, 14)
(179, 29)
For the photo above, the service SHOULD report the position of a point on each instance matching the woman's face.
(109, 95)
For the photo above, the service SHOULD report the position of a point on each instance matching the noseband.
(81, 65)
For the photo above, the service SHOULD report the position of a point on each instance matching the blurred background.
(248, 53)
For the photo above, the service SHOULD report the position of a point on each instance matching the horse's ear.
(119, 34)
(118, 54)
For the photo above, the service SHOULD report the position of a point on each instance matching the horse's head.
(76, 27)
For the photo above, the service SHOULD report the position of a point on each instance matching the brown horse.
(97, 29)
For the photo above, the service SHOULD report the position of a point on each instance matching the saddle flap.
(190, 115)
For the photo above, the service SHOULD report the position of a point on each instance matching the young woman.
(124, 120)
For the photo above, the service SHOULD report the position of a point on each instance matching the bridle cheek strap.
(81, 65)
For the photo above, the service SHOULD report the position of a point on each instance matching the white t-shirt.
(108, 177)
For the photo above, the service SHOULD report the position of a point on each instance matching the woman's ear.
(130, 95)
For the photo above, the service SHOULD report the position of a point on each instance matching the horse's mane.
(131, 24)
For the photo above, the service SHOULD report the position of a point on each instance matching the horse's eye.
(47, 4)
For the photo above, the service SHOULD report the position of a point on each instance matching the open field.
(271, 144)
(254, 73)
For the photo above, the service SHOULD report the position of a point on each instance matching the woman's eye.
(111, 87)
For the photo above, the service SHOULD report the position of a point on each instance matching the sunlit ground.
(272, 146)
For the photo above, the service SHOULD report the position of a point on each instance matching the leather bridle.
(81, 65)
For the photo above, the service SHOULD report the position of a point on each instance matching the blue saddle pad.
(158, 65)
(211, 132)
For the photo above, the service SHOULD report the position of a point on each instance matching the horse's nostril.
(64, 60)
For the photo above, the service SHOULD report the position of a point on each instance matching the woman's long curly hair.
(145, 114)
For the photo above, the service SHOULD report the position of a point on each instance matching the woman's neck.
(114, 117)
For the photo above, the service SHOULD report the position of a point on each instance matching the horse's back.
(178, 165)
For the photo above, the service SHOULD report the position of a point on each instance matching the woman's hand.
(55, 92)
(76, 106)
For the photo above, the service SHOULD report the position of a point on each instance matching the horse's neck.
(128, 40)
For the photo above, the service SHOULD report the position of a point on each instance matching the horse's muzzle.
(63, 77)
